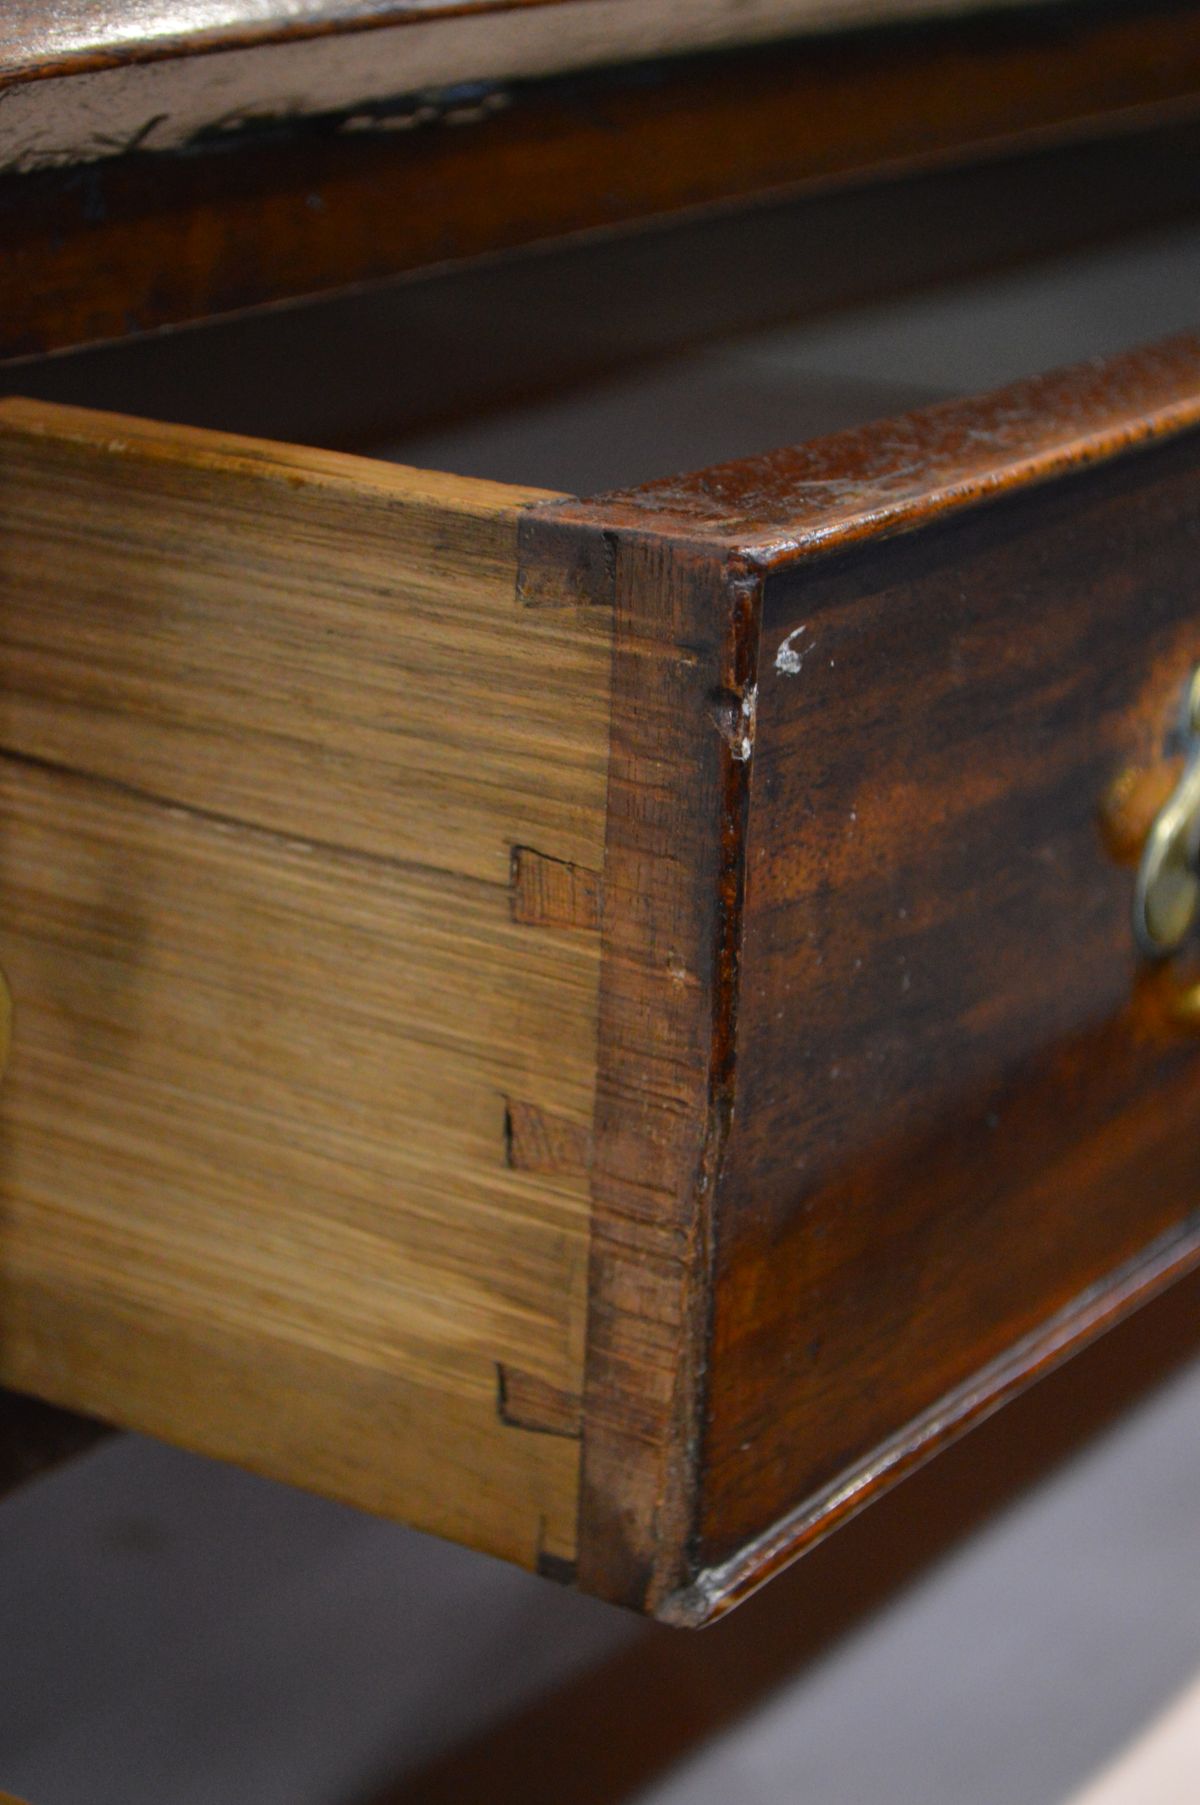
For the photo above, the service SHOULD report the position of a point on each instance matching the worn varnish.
(273, 724)
(140, 241)
(960, 1111)
(83, 78)
(887, 1118)
(501, 977)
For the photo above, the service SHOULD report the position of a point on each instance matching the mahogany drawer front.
(604, 1029)
(963, 1094)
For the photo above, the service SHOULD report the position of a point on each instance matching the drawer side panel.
(273, 726)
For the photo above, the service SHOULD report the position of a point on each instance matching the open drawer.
(606, 1030)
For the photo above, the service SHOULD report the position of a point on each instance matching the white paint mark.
(789, 659)
(743, 749)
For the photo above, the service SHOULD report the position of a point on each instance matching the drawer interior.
(300, 853)
(612, 362)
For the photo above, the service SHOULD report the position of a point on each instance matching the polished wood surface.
(963, 1106)
(141, 241)
(84, 78)
(43, 37)
(887, 1117)
(286, 1134)
(891, 476)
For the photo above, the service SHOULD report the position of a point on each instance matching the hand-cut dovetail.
(556, 1567)
(537, 1140)
(523, 1401)
(561, 564)
(552, 893)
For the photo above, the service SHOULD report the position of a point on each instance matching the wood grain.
(964, 1118)
(537, 1140)
(553, 893)
(143, 241)
(84, 78)
(76, 35)
(272, 724)
(306, 778)
(892, 476)
(657, 1138)
(920, 1125)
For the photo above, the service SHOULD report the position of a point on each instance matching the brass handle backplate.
(1166, 904)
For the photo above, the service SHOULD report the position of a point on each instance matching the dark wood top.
(877, 480)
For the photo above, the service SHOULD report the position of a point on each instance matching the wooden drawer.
(607, 1030)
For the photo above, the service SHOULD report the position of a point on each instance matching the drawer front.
(891, 1111)
(963, 1099)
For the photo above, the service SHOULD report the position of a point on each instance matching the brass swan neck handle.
(1166, 904)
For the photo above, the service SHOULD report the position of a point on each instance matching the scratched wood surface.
(293, 1142)
(912, 1122)
(147, 241)
(964, 1106)
(84, 78)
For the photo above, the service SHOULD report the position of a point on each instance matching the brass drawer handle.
(1167, 899)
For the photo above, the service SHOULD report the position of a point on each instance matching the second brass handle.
(1166, 903)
